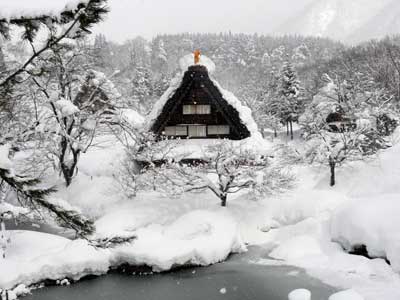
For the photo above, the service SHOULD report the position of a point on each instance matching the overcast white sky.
(129, 18)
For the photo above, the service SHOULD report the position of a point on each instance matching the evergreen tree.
(289, 91)
(31, 194)
(141, 89)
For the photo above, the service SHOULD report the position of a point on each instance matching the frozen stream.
(237, 279)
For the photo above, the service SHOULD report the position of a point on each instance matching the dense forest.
(250, 65)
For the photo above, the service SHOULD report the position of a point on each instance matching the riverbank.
(235, 279)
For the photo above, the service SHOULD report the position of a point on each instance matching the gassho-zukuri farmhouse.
(196, 111)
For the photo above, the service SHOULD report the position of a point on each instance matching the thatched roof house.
(197, 107)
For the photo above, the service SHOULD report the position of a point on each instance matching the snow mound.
(5, 162)
(297, 248)
(300, 294)
(373, 222)
(188, 61)
(33, 257)
(346, 295)
(199, 238)
(37, 8)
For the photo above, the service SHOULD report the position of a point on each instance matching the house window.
(175, 131)
(203, 109)
(218, 130)
(196, 109)
(181, 131)
(197, 131)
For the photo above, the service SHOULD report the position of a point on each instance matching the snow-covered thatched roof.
(185, 63)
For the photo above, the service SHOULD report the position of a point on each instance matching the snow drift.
(197, 238)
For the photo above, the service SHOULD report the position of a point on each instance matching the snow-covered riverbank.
(197, 238)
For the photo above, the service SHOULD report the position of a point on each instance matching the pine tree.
(31, 194)
(141, 89)
(72, 23)
(289, 92)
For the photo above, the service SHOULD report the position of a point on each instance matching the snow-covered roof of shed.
(29, 8)
(186, 62)
(182, 149)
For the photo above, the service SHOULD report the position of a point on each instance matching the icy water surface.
(236, 279)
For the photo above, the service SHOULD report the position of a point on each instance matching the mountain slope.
(386, 22)
(339, 19)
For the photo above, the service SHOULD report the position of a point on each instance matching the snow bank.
(5, 162)
(37, 8)
(346, 295)
(373, 222)
(300, 294)
(199, 237)
(33, 257)
(297, 248)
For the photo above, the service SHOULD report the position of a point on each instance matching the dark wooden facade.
(218, 119)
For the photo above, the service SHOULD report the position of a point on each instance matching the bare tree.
(225, 169)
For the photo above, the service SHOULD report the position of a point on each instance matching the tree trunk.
(332, 166)
(275, 133)
(291, 130)
(287, 127)
(223, 200)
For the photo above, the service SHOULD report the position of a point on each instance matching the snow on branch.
(223, 170)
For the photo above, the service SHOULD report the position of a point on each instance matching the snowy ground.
(362, 209)
(308, 227)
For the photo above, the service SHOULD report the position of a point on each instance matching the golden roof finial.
(197, 54)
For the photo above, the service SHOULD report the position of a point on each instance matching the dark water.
(241, 279)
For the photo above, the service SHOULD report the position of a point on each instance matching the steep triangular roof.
(236, 114)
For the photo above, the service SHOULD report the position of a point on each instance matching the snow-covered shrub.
(224, 169)
(353, 136)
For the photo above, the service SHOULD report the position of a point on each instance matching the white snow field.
(362, 209)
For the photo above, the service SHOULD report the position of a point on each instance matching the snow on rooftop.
(36, 8)
(187, 61)
(199, 148)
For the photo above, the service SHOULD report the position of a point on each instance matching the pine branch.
(32, 196)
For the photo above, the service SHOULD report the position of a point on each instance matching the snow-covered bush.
(224, 169)
(353, 136)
